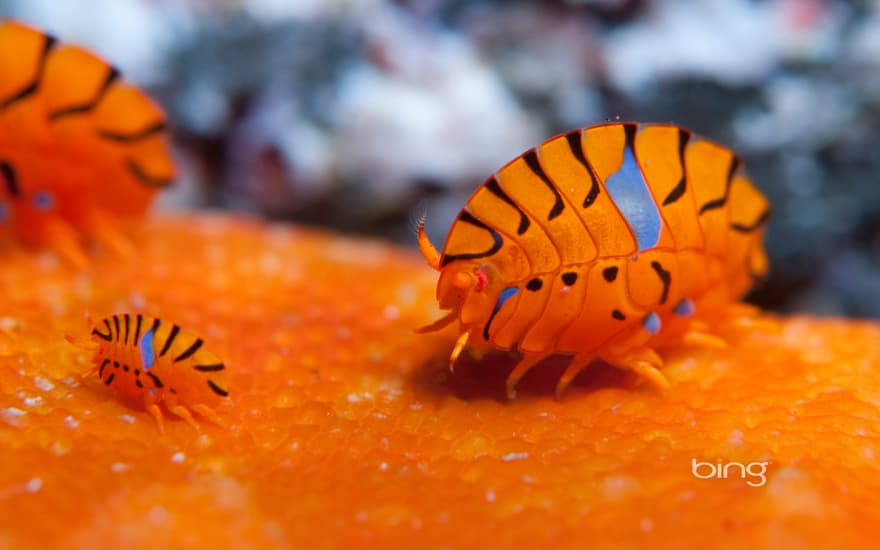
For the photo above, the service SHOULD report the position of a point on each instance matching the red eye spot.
(482, 280)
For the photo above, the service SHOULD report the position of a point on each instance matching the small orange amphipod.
(82, 152)
(147, 359)
(602, 243)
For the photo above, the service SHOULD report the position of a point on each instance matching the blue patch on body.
(505, 295)
(44, 201)
(629, 191)
(652, 323)
(147, 354)
(684, 308)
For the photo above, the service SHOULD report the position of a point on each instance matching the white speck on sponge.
(43, 383)
(35, 401)
(510, 457)
(33, 485)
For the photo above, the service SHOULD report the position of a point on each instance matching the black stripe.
(679, 190)
(217, 389)
(137, 330)
(594, 189)
(155, 326)
(110, 379)
(629, 130)
(168, 341)
(574, 143)
(101, 335)
(618, 315)
(531, 158)
(495, 189)
(137, 135)
(116, 324)
(109, 330)
(665, 278)
(142, 176)
(467, 217)
(101, 370)
(139, 384)
(762, 219)
(30, 89)
(721, 201)
(156, 381)
(83, 108)
(126, 327)
(11, 179)
(189, 351)
(209, 368)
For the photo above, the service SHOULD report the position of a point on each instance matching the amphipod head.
(465, 287)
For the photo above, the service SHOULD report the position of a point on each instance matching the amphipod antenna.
(428, 251)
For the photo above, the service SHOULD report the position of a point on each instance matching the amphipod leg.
(748, 316)
(181, 411)
(703, 339)
(102, 229)
(578, 363)
(154, 410)
(459, 347)
(643, 361)
(208, 413)
(62, 238)
(521, 368)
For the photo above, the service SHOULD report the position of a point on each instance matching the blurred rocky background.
(361, 114)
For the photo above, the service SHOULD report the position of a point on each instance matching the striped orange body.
(602, 243)
(82, 152)
(146, 359)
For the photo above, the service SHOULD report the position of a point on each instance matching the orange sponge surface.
(344, 429)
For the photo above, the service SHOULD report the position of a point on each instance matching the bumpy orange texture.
(345, 430)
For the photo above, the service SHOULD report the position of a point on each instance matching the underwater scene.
(439, 274)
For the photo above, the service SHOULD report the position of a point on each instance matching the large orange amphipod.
(81, 151)
(602, 243)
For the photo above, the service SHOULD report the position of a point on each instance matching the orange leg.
(703, 339)
(208, 413)
(181, 411)
(440, 323)
(154, 410)
(578, 363)
(63, 239)
(525, 364)
(747, 316)
(459, 347)
(642, 361)
(102, 229)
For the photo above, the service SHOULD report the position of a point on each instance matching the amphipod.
(154, 361)
(606, 242)
(82, 152)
